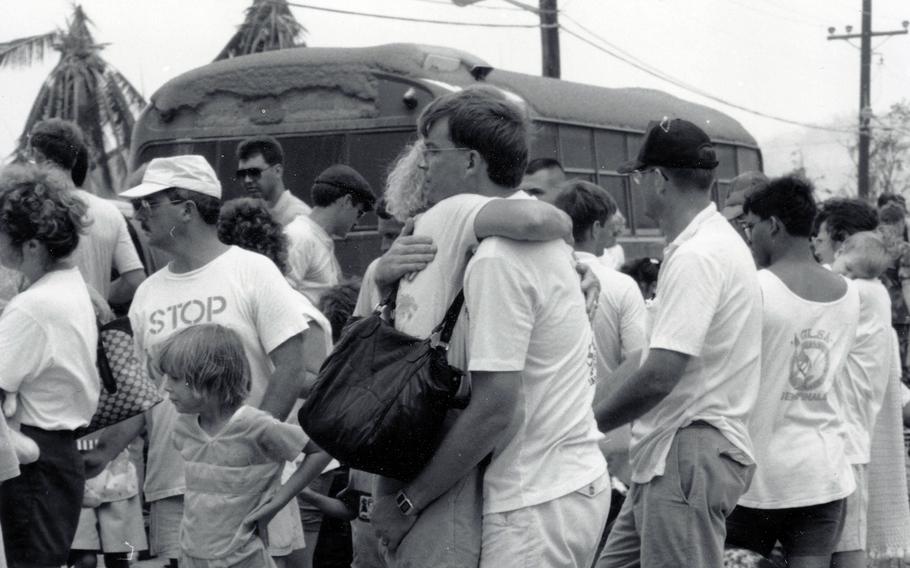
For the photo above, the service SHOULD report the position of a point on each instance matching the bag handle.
(104, 366)
(447, 325)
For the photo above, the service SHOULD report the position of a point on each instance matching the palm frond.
(267, 25)
(27, 50)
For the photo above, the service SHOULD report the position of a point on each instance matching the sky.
(769, 56)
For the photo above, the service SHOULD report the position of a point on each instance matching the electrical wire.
(485, 7)
(410, 19)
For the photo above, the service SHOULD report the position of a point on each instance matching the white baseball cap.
(190, 172)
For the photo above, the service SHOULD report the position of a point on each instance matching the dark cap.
(348, 179)
(673, 143)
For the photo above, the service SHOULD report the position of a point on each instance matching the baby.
(862, 256)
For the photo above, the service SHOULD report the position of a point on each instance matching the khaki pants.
(679, 518)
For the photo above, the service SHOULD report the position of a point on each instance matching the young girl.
(234, 453)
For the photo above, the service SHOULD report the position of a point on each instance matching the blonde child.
(234, 453)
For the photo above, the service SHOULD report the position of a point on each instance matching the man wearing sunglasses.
(341, 196)
(691, 454)
(260, 166)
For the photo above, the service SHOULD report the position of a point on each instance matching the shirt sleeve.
(126, 259)
(689, 292)
(632, 324)
(501, 313)
(21, 335)
(282, 441)
(276, 306)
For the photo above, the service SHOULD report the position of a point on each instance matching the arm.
(409, 253)
(522, 220)
(630, 393)
(332, 507)
(286, 381)
(313, 464)
(123, 289)
(113, 440)
(475, 433)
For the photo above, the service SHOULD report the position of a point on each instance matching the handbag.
(128, 390)
(382, 395)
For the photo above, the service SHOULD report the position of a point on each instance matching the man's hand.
(408, 254)
(390, 525)
(590, 287)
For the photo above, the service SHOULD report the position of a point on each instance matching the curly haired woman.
(246, 223)
(49, 337)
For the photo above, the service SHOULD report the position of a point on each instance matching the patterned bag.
(128, 390)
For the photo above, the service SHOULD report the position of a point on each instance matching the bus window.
(305, 157)
(373, 154)
(726, 155)
(543, 141)
(611, 149)
(616, 186)
(747, 160)
(576, 149)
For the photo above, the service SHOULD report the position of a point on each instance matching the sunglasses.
(252, 173)
(145, 206)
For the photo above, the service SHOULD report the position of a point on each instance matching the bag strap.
(447, 325)
(104, 366)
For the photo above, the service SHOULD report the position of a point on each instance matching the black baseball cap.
(675, 143)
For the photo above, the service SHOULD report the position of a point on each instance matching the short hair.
(338, 303)
(80, 167)
(211, 359)
(538, 164)
(843, 217)
(59, 140)
(382, 209)
(866, 254)
(886, 198)
(643, 270)
(586, 203)
(698, 178)
(266, 146)
(247, 223)
(405, 191)
(891, 213)
(790, 199)
(35, 203)
(209, 207)
(482, 119)
(339, 180)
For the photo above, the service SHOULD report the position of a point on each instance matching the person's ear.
(279, 170)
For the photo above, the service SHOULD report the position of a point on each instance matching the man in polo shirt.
(690, 454)
(260, 169)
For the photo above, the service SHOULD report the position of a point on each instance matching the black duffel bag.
(381, 396)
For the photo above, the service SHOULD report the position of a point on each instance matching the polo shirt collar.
(692, 228)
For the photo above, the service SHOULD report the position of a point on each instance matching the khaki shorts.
(853, 535)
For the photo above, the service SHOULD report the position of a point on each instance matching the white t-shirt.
(369, 296)
(861, 390)
(287, 208)
(239, 289)
(708, 307)
(105, 244)
(526, 313)
(423, 300)
(313, 268)
(619, 323)
(797, 425)
(613, 257)
(49, 341)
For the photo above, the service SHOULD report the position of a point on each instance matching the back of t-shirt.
(526, 313)
(796, 425)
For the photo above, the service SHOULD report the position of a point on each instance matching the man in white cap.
(177, 204)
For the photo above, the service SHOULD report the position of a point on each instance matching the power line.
(410, 19)
(657, 73)
(449, 3)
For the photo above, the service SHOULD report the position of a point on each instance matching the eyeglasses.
(252, 173)
(145, 207)
(639, 177)
(425, 152)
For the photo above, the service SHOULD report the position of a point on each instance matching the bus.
(359, 106)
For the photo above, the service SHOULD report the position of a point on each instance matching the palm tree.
(83, 88)
(268, 25)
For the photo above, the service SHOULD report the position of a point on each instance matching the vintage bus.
(359, 106)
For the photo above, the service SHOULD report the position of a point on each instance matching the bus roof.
(437, 68)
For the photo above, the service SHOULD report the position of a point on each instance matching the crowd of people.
(740, 401)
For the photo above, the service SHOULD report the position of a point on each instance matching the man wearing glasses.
(691, 454)
(260, 165)
(340, 197)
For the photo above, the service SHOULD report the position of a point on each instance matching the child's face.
(185, 399)
(842, 266)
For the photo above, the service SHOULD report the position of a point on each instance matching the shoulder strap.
(447, 325)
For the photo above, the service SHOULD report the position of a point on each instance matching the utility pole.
(865, 83)
(549, 31)
(549, 38)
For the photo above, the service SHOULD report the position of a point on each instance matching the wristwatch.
(405, 505)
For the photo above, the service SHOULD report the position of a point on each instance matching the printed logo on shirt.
(592, 367)
(809, 365)
(365, 508)
(186, 313)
